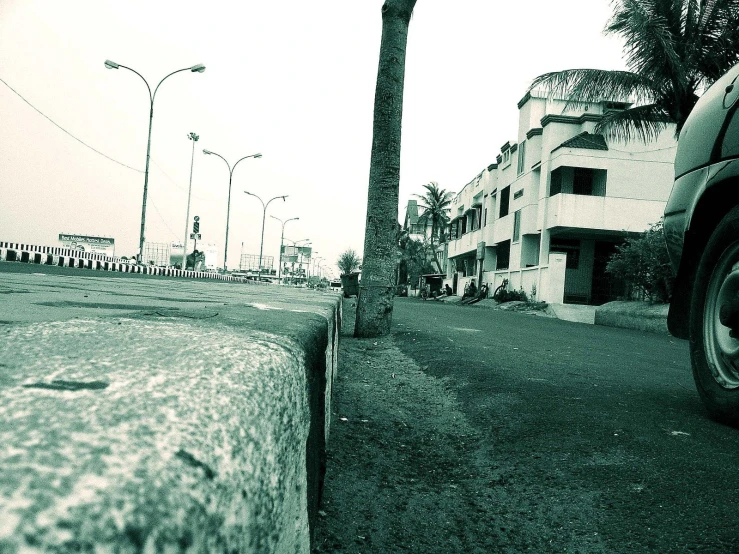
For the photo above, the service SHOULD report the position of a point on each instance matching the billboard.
(296, 254)
(84, 243)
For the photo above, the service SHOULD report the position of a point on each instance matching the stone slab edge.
(193, 491)
(641, 316)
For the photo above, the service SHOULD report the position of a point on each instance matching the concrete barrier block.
(641, 316)
(195, 442)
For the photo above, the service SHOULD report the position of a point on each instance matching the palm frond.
(643, 123)
(651, 30)
(593, 85)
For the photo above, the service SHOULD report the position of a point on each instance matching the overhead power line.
(70, 134)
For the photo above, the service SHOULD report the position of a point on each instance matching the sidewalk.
(641, 316)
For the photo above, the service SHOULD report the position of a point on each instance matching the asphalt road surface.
(585, 429)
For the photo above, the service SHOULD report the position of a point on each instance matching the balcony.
(465, 244)
(604, 213)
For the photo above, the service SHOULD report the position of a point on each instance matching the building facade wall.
(605, 192)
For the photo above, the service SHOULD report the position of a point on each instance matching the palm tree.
(375, 303)
(674, 50)
(348, 262)
(435, 204)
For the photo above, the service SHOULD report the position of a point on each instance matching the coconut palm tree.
(674, 50)
(435, 205)
(375, 303)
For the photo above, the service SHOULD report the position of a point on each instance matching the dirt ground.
(392, 483)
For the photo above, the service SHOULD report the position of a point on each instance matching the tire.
(714, 353)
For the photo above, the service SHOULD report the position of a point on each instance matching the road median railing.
(68, 257)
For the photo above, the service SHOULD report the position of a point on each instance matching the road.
(473, 430)
(591, 428)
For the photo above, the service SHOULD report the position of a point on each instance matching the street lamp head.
(197, 68)
(111, 65)
(206, 152)
(284, 198)
(193, 137)
(257, 156)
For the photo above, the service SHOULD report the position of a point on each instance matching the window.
(521, 157)
(503, 255)
(582, 181)
(505, 196)
(730, 143)
(555, 186)
(485, 217)
(517, 226)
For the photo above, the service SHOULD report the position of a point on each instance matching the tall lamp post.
(317, 266)
(228, 208)
(264, 217)
(282, 238)
(194, 138)
(199, 68)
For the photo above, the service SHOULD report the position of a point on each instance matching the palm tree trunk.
(375, 303)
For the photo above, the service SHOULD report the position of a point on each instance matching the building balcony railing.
(465, 244)
(607, 213)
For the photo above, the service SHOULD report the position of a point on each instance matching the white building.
(549, 213)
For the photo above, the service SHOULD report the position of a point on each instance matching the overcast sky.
(291, 79)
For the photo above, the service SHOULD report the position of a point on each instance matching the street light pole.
(228, 207)
(282, 237)
(199, 68)
(264, 217)
(194, 138)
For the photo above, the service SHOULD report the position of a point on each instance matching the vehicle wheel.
(714, 347)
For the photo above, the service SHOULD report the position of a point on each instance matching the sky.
(290, 79)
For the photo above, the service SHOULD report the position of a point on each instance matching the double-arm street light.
(199, 68)
(264, 217)
(282, 237)
(317, 266)
(228, 208)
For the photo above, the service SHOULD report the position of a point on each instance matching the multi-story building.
(417, 228)
(548, 214)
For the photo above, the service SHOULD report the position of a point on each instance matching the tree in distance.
(435, 204)
(348, 262)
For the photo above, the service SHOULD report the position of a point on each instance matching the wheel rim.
(722, 350)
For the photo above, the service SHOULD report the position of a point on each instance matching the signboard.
(296, 254)
(84, 243)
(480, 251)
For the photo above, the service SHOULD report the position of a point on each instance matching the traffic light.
(196, 225)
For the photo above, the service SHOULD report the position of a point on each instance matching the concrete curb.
(167, 416)
(641, 316)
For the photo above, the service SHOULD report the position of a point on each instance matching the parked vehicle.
(702, 235)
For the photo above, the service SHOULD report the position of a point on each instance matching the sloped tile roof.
(587, 141)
